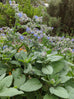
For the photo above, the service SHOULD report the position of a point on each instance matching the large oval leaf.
(47, 70)
(58, 66)
(53, 58)
(9, 92)
(31, 85)
(71, 92)
(19, 81)
(60, 92)
(50, 97)
(7, 81)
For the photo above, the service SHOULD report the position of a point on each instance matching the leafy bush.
(30, 10)
(7, 15)
(52, 22)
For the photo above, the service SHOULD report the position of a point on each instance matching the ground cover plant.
(34, 65)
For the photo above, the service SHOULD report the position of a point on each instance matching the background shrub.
(65, 10)
(27, 7)
(7, 15)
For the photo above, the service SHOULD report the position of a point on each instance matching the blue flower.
(10, 2)
(20, 15)
(38, 37)
(62, 38)
(72, 40)
(37, 29)
(5, 46)
(1, 29)
(52, 28)
(41, 32)
(48, 38)
(28, 29)
(32, 32)
(35, 35)
(51, 41)
(41, 35)
(35, 17)
(73, 50)
(30, 40)
(21, 38)
(3, 34)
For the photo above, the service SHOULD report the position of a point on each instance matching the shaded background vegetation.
(62, 14)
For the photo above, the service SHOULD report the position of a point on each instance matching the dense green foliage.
(7, 15)
(26, 7)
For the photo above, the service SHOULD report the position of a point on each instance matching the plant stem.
(8, 97)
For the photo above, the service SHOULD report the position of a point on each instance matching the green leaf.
(53, 58)
(39, 61)
(65, 79)
(60, 92)
(45, 80)
(58, 66)
(16, 73)
(50, 97)
(15, 63)
(21, 55)
(47, 70)
(29, 68)
(2, 70)
(31, 85)
(70, 83)
(9, 92)
(7, 81)
(71, 92)
(3, 97)
(19, 81)
(37, 72)
(69, 64)
(2, 76)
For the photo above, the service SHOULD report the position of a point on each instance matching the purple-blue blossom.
(1, 29)
(62, 38)
(20, 14)
(21, 38)
(38, 37)
(30, 40)
(41, 32)
(35, 35)
(51, 41)
(28, 29)
(48, 38)
(41, 35)
(72, 50)
(32, 32)
(3, 34)
(10, 2)
(52, 28)
(72, 40)
(35, 17)
(5, 46)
